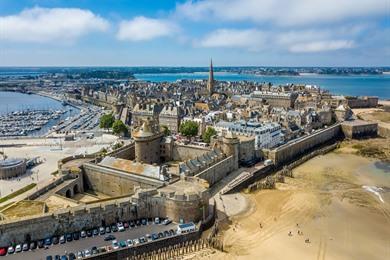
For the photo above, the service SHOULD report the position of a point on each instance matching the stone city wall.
(146, 204)
(113, 182)
(383, 131)
(351, 130)
(362, 102)
(187, 152)
(290, 151)
(126, 152)
(218, 171)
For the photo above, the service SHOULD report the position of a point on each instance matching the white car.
(87, 253)
(157, 221)
(18, 248)
(79, 255)
(129, 242)
(135, 241)
(11, 250)
(120, 226)
(115, 244)
(167, 221)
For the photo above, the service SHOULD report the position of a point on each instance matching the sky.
(189, 33)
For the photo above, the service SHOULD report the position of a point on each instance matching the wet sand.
(326, 202)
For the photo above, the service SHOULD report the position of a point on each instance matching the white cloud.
(321, 46)
(250, 39)
(297, 41)
(142, 28)
(45, 25)
(281, 12)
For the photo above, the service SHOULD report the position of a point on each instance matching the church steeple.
(210, 82)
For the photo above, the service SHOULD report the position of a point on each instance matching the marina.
(40, 115)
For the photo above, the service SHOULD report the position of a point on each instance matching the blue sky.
(188, 33)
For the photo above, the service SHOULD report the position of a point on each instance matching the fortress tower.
(210, 82)
(230, 146)
(147, 144)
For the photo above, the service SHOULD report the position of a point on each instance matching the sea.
(354, 85)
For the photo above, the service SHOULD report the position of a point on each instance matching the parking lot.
(94, 241)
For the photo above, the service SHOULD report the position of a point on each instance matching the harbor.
(43, 115)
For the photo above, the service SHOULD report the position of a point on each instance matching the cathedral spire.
(210, 82)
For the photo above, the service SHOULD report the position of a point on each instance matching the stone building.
(142, 112)
(10, 168)
(275, 99)
(170, 116)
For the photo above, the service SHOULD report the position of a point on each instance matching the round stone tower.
(147, 144)
(230, 146)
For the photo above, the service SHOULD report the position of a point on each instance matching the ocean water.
(361, 85)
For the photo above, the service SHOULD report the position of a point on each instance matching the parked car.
(166, 233)
(115, 244)
(41, 243)
(11, 250)
(94, 250)
(49, 257)
(87, 253)
(62, 239)
(48, 241)
(122, 244)
(33, 245)
(120, 227)
(129, 242)
(144, 221)
(157, 221)
(25, 247)
(69, 237)
(80, 255)
(154, 236)
(102, 231)
(89, 233)
(72, 256)
(18, 248)
(135, 241)
(114, 228)
(109, 237)
(3, 251)
(108, 229)
(142, 240)
(64, 257)
(95, 232)
(76, 235)
(83, 234)
(172, 232)
(167, 221)
(126, 225)
(131, 223)
(57, 257)
(137, 222)
(55, 240)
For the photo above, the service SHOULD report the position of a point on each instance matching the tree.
(210, 131)
(118, 127)
(189, 128)
(166, 130)
(106, 121)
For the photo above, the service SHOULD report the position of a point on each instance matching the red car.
(3, 251)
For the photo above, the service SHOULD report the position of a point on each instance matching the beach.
(331, 201)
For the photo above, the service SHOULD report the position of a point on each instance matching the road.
(89, 242)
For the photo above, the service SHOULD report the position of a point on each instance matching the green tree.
(166, 130)
(118, 127)
(106, 121)
(210, 131)
(189, 128)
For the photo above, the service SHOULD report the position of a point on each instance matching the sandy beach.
(326, 202)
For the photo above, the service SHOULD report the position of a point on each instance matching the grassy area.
(18, 192)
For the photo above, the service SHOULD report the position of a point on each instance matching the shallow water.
(376, 177)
